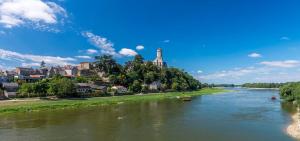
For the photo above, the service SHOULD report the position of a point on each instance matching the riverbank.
(294, 128)
(30, 105)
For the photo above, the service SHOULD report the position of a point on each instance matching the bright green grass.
(42, 105)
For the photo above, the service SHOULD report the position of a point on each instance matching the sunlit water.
(246, 115)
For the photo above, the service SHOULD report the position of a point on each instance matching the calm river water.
(245, 115)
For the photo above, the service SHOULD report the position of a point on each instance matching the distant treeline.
(205, 85)
(290, 91)
(263, 85)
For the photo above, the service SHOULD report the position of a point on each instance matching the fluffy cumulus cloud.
(91, 51)
(127, 52)
(106, 46)
(140, 47)
(282, 64)
(255, 55)
(40, 14)
(33, 60)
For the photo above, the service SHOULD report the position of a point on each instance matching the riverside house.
(120, 89)
(10, 89)
(87, 89)
(154, 86)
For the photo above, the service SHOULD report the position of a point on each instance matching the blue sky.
(217, 41)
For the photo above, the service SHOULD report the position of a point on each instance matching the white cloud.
(29, 58)
(267, 71)
(84, 57)
(285, 38)
(106, 46)
(35, 13)
(166, 41)
(255, 55)
(30, 64)
(238, 75)
(127, 52)
(91, 51)
(282, 64)
(199, 71)
(140, 47)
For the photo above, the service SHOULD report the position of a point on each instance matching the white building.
(120, 89)
(156, 85)
(159, 59)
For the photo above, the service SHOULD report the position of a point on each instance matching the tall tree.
(107, 64)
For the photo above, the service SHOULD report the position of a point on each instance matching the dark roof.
(83, 84)
(93, 86)
(6, 85)
(98, 87)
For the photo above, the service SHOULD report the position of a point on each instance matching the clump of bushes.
(57, 86)
(290, 91)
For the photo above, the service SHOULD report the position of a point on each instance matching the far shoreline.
(261, 88)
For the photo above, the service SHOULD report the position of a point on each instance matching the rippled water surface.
(244, 115)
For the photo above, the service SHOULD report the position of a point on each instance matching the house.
(22, 71)
(85, 66)
(9, 75)
(98, 88)
(3, 78)
(10, 89)
(120, 89)
(156, 85)
(36, 77)
(88, 89)
(70, 70)
(83, 88)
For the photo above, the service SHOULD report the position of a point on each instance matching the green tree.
(136, 86)
(62, 87)
(40, 88)
(26, 90)
(107, 64)
(81, 79)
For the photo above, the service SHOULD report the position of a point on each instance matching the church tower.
(159, 59)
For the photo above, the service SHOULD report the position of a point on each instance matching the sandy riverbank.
(294, 128)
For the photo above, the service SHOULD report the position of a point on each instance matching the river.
(243, 115)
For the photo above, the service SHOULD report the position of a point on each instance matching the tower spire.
(159, 59)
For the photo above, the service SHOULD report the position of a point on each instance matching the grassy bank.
(27, 105)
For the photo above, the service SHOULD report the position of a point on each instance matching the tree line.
(263, 85)
(136, 75)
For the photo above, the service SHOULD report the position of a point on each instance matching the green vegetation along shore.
(290, 91)
(263, 85)
(29, 105)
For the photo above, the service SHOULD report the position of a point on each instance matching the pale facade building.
(159, 59)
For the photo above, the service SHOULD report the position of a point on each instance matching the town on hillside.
(102, 77)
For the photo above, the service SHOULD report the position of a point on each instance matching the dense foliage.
(57, 86)
(136, 73)
(263, 85)
(290, 91)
